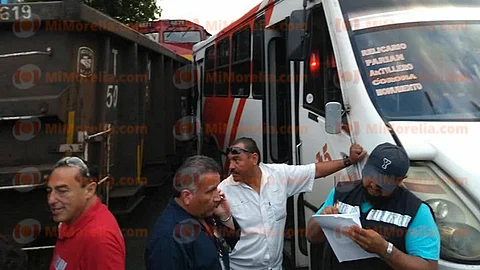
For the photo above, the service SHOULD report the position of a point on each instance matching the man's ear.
(91, 189)
(187, 197)
(255, 158)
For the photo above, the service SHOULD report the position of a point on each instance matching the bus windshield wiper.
(430, 101)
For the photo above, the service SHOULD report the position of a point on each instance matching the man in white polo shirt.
(258, 194)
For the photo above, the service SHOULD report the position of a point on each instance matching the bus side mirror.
(297, 35)
(333, 117)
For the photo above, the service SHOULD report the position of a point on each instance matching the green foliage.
(126, 11)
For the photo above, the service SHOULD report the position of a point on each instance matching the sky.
(214, 15)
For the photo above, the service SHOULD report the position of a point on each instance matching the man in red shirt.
(89, 237)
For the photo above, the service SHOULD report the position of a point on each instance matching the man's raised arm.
(323, 169)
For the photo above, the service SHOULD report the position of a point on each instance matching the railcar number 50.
(18, 12)
(112, 96)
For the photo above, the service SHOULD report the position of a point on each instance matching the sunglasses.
(236, 150)
(74, 162)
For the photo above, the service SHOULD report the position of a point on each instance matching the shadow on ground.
(138, 225)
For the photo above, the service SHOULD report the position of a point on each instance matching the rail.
(38, 248)
(103, 180)
(48, 51)
(21, 186)
(98, 134)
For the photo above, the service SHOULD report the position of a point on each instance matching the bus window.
(279, 96)
(182, 36)
(222, 69)
(241, 53)
(322, 83)
(258, 82)
(209, 79)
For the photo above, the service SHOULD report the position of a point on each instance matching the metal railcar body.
(77, 82)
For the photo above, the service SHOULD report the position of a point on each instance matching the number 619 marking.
(26, 11)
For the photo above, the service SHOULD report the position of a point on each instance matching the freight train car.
(77, 82)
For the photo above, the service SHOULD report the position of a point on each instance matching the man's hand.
(373, 242)
(329, 210)
(223, 209)
(356, 153)
(369, 240)
(325, 168)
(314, 231)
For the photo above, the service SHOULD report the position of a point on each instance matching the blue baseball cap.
(385, 165)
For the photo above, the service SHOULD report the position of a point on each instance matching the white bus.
(306, 79)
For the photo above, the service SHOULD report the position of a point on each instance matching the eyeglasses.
(74, 162)
(236, 150)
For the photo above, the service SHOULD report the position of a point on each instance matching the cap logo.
(386, 162)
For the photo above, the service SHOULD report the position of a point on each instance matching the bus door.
(277, 100)
(321, 85)
(279, 121)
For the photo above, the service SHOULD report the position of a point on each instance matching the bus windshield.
(182, 36)
(422, 71)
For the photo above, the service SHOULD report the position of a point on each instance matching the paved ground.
(140, 223)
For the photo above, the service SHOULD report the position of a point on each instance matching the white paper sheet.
(343, 246)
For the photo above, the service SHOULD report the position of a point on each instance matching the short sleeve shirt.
(422, 238)
(93, 242)
(262, 216)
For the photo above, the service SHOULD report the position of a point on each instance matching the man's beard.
(376, 200)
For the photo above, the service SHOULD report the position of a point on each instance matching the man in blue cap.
(396, 225)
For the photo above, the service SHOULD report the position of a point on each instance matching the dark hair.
(84, 171)
(250, 145)
(11, 256)
(189, 173)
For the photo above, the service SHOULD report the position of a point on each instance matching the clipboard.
(343, 246)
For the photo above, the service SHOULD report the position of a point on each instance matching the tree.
(126, 11)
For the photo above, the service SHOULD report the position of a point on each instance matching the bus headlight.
(441, 209)
(446, 211)
(459, 228)
(460, 242)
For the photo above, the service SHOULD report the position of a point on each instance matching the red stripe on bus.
(233, 131)
(236, 121)
(269, 11)
(216, 113)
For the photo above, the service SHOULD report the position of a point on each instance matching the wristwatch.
(389, 250)
(227, 219)
(346, 161)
